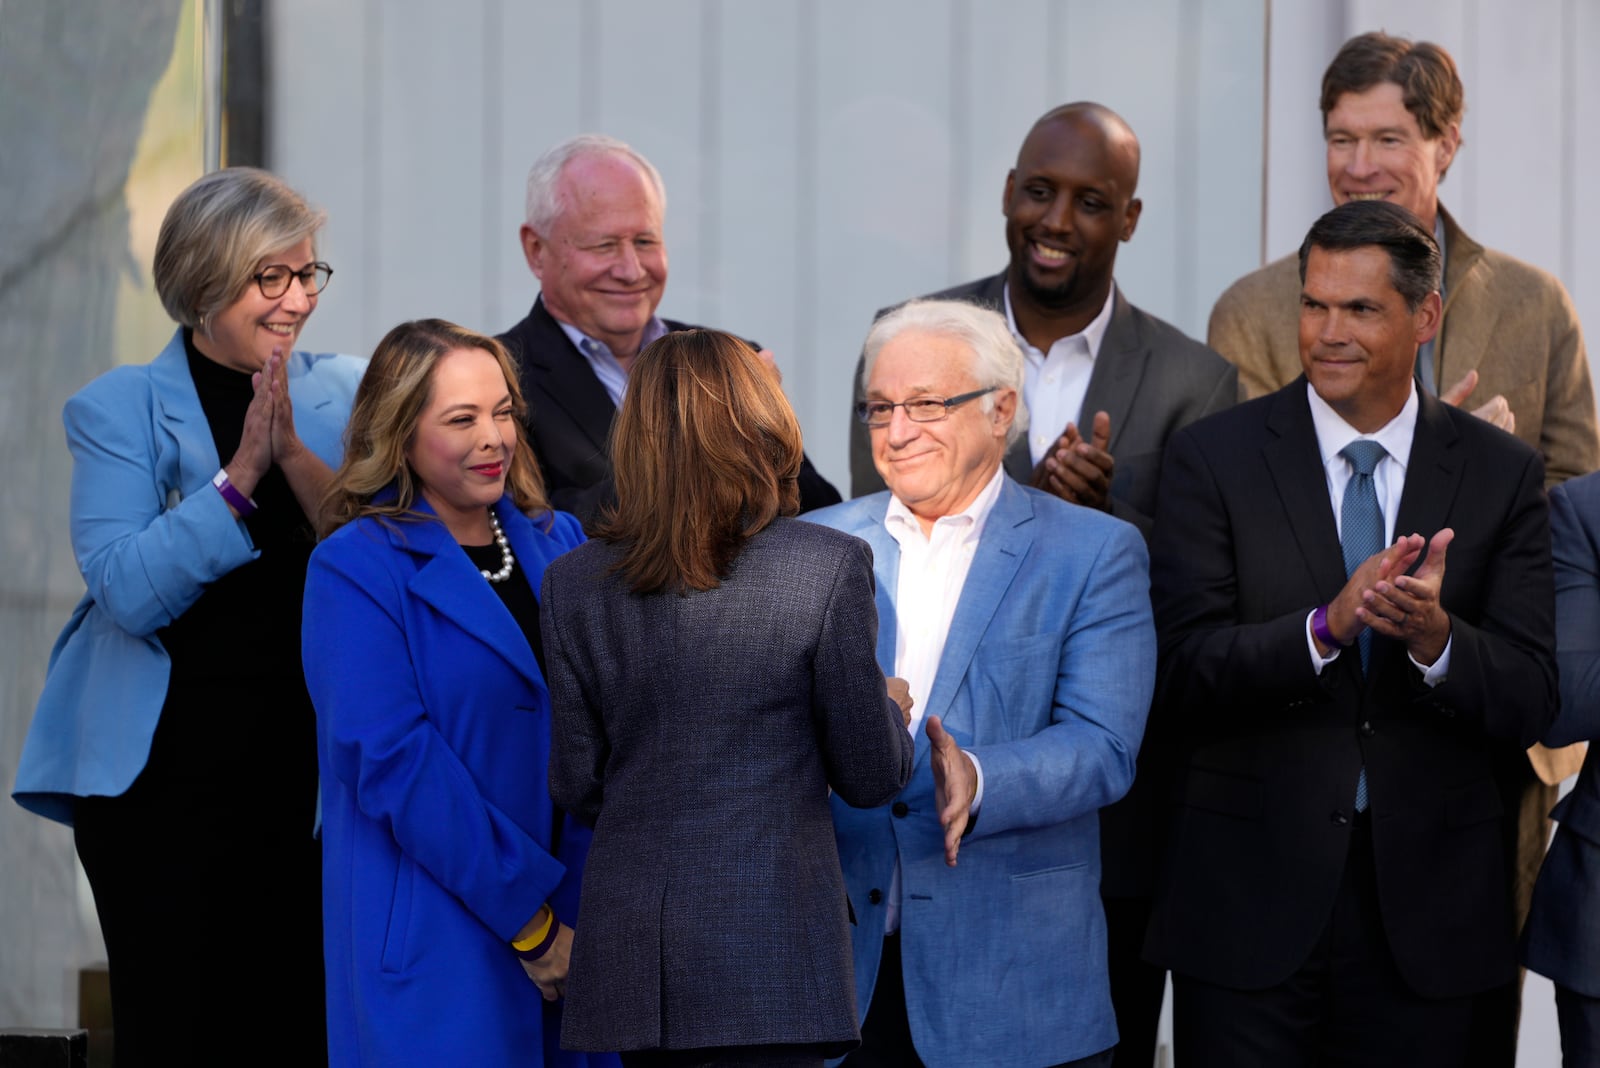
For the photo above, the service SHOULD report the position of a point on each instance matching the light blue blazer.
(433, 740)
(1046, 678)
(149, 533)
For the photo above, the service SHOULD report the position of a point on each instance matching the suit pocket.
(394, 938)
(1218, 791)
(1024, 876)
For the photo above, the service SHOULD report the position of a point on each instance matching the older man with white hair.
(593, 237)
(1022, 624)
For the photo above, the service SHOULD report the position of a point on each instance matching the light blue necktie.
(1361, 534)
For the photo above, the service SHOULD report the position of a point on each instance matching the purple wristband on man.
(1319, 627)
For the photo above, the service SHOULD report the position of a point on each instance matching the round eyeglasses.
(274, 280)
(877, 413)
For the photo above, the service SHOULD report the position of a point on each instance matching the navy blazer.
(1245, 547)
(1046, 678)
(432, 736)
(702, 733)
(1562, 937)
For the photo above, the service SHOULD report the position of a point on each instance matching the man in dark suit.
(1335, 887)
(1093, 360)
(1562, 939)
(593, 238)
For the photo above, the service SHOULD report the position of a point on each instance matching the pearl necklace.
(507, 561)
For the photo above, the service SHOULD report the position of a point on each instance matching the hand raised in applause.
(1079, 471)
(1406, 607)
(900, 694)
(286, 444)
(253, 457)
(1343, 621)
(1496, 411)
(955, 784)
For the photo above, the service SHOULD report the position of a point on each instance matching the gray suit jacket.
(1149, 376)
(701, 735)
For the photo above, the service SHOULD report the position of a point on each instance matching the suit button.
(875, 896)
(1368, 730)
(900, 808)
(1339, 819)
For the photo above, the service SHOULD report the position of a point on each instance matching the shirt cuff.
(977, 796)
(1318, 661)
(1436, 674)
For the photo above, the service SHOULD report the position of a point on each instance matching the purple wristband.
(1319, 627)
(241, 504)
(549, 939)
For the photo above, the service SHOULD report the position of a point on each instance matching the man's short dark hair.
(1425, 73)
(1414, 260)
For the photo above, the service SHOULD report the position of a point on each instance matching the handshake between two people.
(955, 778)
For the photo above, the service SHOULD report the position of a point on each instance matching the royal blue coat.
(433, 738)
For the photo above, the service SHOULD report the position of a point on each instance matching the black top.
(237, 710)
(515, 593)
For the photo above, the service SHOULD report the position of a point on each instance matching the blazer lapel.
(180, 416)
(1006, 540)
(1466, 325)
(447, 581)
(1118, 370)
(885, 572)
(570, 383)
(1433, 472)
(1294, 460)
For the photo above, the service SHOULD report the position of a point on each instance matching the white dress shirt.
(1389, 480)
(933, 569)
(1055, 383)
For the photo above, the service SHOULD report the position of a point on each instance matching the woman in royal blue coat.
(443, 857)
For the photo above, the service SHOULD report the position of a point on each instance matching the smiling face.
(245, 333)
(603, 266)
(464, 442)
(1068, 202)
(1377, 151)
(1358, 341)
(936, 469)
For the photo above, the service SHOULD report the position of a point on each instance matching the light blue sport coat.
(1046, 678)
(149, 532)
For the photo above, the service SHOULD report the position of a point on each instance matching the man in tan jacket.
(1509, 346)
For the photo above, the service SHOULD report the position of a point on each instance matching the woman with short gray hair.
(174, 731)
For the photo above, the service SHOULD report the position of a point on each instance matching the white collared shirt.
(1055, 383)
(1389, 480)
(933, 570)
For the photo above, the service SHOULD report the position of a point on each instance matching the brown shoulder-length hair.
(706, 453)
(388, 406)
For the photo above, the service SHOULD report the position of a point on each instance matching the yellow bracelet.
(524, 944)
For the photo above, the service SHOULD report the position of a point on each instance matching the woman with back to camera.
(444, 859)
(174, 728)
(712, 673)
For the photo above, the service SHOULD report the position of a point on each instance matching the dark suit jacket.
(1150, 377)
(1245, 547)
(1562, 939)
(570, 414)
(702, 733)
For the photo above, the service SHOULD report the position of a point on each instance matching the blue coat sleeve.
(1105, 674)
(379, 741)
(143, 562)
